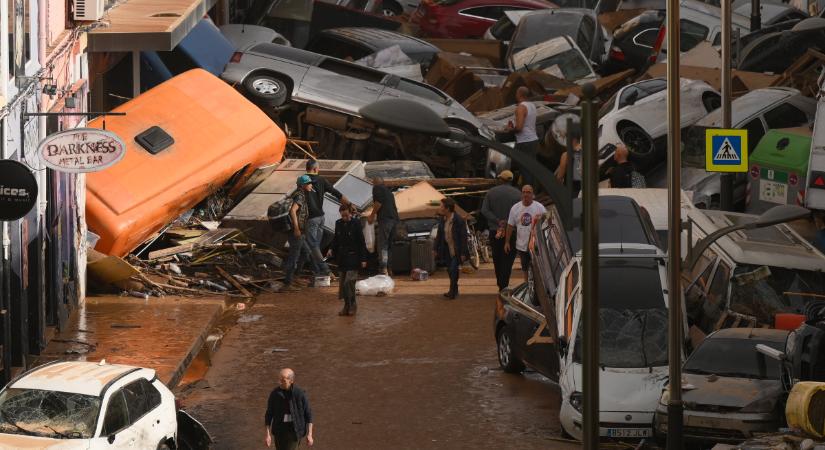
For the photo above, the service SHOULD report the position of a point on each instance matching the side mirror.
(563, 345)
(111, 438)
(770, 352)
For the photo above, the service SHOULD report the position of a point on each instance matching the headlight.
(576, 400)
(665, 398)
(763, 405)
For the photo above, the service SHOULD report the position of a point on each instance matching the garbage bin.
(779, 168)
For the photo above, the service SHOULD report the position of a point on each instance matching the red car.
(462, 19)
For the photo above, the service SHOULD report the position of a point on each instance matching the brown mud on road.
(410, 371)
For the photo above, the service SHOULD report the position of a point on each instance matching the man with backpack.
(298, 217)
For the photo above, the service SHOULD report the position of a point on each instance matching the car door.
(541, 349)
(341, 86)
(142, 400)
(115, 432)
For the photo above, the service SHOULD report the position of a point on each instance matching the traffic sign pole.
(726, 200)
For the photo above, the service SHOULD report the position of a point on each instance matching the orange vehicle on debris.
(185, 138)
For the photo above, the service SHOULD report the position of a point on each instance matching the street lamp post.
(674, 166)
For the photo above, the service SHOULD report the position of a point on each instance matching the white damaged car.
(88, 405)
(637, 116)
(633, 348)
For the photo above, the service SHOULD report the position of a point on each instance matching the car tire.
(504, 348)
(164, 445)
(391, 9)
(266, 89)
(638, 142)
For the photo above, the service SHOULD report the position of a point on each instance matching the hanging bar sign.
(81, 150)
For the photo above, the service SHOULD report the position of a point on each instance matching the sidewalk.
(160, 333)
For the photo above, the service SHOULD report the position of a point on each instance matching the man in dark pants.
(384, 210)
(451, 245)
(298, 217)
(350, 252)
(496, 209)
(288, 415)
(315, 223)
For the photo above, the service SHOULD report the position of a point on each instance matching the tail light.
(657, 47)
(616, 54)
(236, 57)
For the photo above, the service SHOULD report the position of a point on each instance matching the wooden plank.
(171, 251)
(721, 321)
(233, 281)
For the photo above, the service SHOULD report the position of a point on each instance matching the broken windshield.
(741, 359)
(762, 293)
(48, 413)
(568, 65)
(633, 316)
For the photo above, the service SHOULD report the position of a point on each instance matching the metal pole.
(674, 407)
(570, 163)
(590, 275)
(756, 16)
(726, 199)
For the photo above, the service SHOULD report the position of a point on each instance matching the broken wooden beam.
(233, 281)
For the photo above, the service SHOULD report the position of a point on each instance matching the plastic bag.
(369, 236)
(377, 285)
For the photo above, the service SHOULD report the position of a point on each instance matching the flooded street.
(410, 371)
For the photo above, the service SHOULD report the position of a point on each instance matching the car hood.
(20, 441)
(627, 390)
(726, 391)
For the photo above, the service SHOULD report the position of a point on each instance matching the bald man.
(288, 415)
(527, 141)
(621, 176)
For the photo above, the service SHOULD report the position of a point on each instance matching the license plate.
(629, 432)
(771, 191)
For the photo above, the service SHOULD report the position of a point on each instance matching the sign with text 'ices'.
(81, 150)
(18, 190)
(726, 150)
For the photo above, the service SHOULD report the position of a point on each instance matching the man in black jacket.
(288, 415)
(451, 245)
(350, 252)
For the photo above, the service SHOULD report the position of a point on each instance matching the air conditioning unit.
(88, 10)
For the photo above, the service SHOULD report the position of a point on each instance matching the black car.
(636, 43)
(356, 43)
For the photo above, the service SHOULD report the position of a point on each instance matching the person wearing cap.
(496, 209)
(298, 216)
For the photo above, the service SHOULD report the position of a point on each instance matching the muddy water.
(411, 371)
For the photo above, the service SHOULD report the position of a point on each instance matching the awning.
(139, 25)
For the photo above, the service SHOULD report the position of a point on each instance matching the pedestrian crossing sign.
(726, 150)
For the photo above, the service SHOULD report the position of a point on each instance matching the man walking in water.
(288, 415)
(527, 141)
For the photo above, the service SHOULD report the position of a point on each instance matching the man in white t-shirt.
(522, 217)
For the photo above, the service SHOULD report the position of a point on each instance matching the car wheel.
(638, 142)
(391, 9)
(164, 445)
(266, 89)
(506, 358)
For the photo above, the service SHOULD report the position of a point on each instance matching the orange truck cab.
(185, 139)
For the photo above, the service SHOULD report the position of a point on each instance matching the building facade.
(43, 69)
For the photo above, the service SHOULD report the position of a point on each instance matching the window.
(152, 395)
(352, 70)
(484, 12)
(785, 116)
(420, 90)
(624, 99)
(117, 414)
(646, 38)
(135, 401)
(585, 36)
(331, 46)
(692, 34)
(755, 132)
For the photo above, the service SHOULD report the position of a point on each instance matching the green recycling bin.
(778, 169)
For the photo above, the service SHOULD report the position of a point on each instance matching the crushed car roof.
(78, 377)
